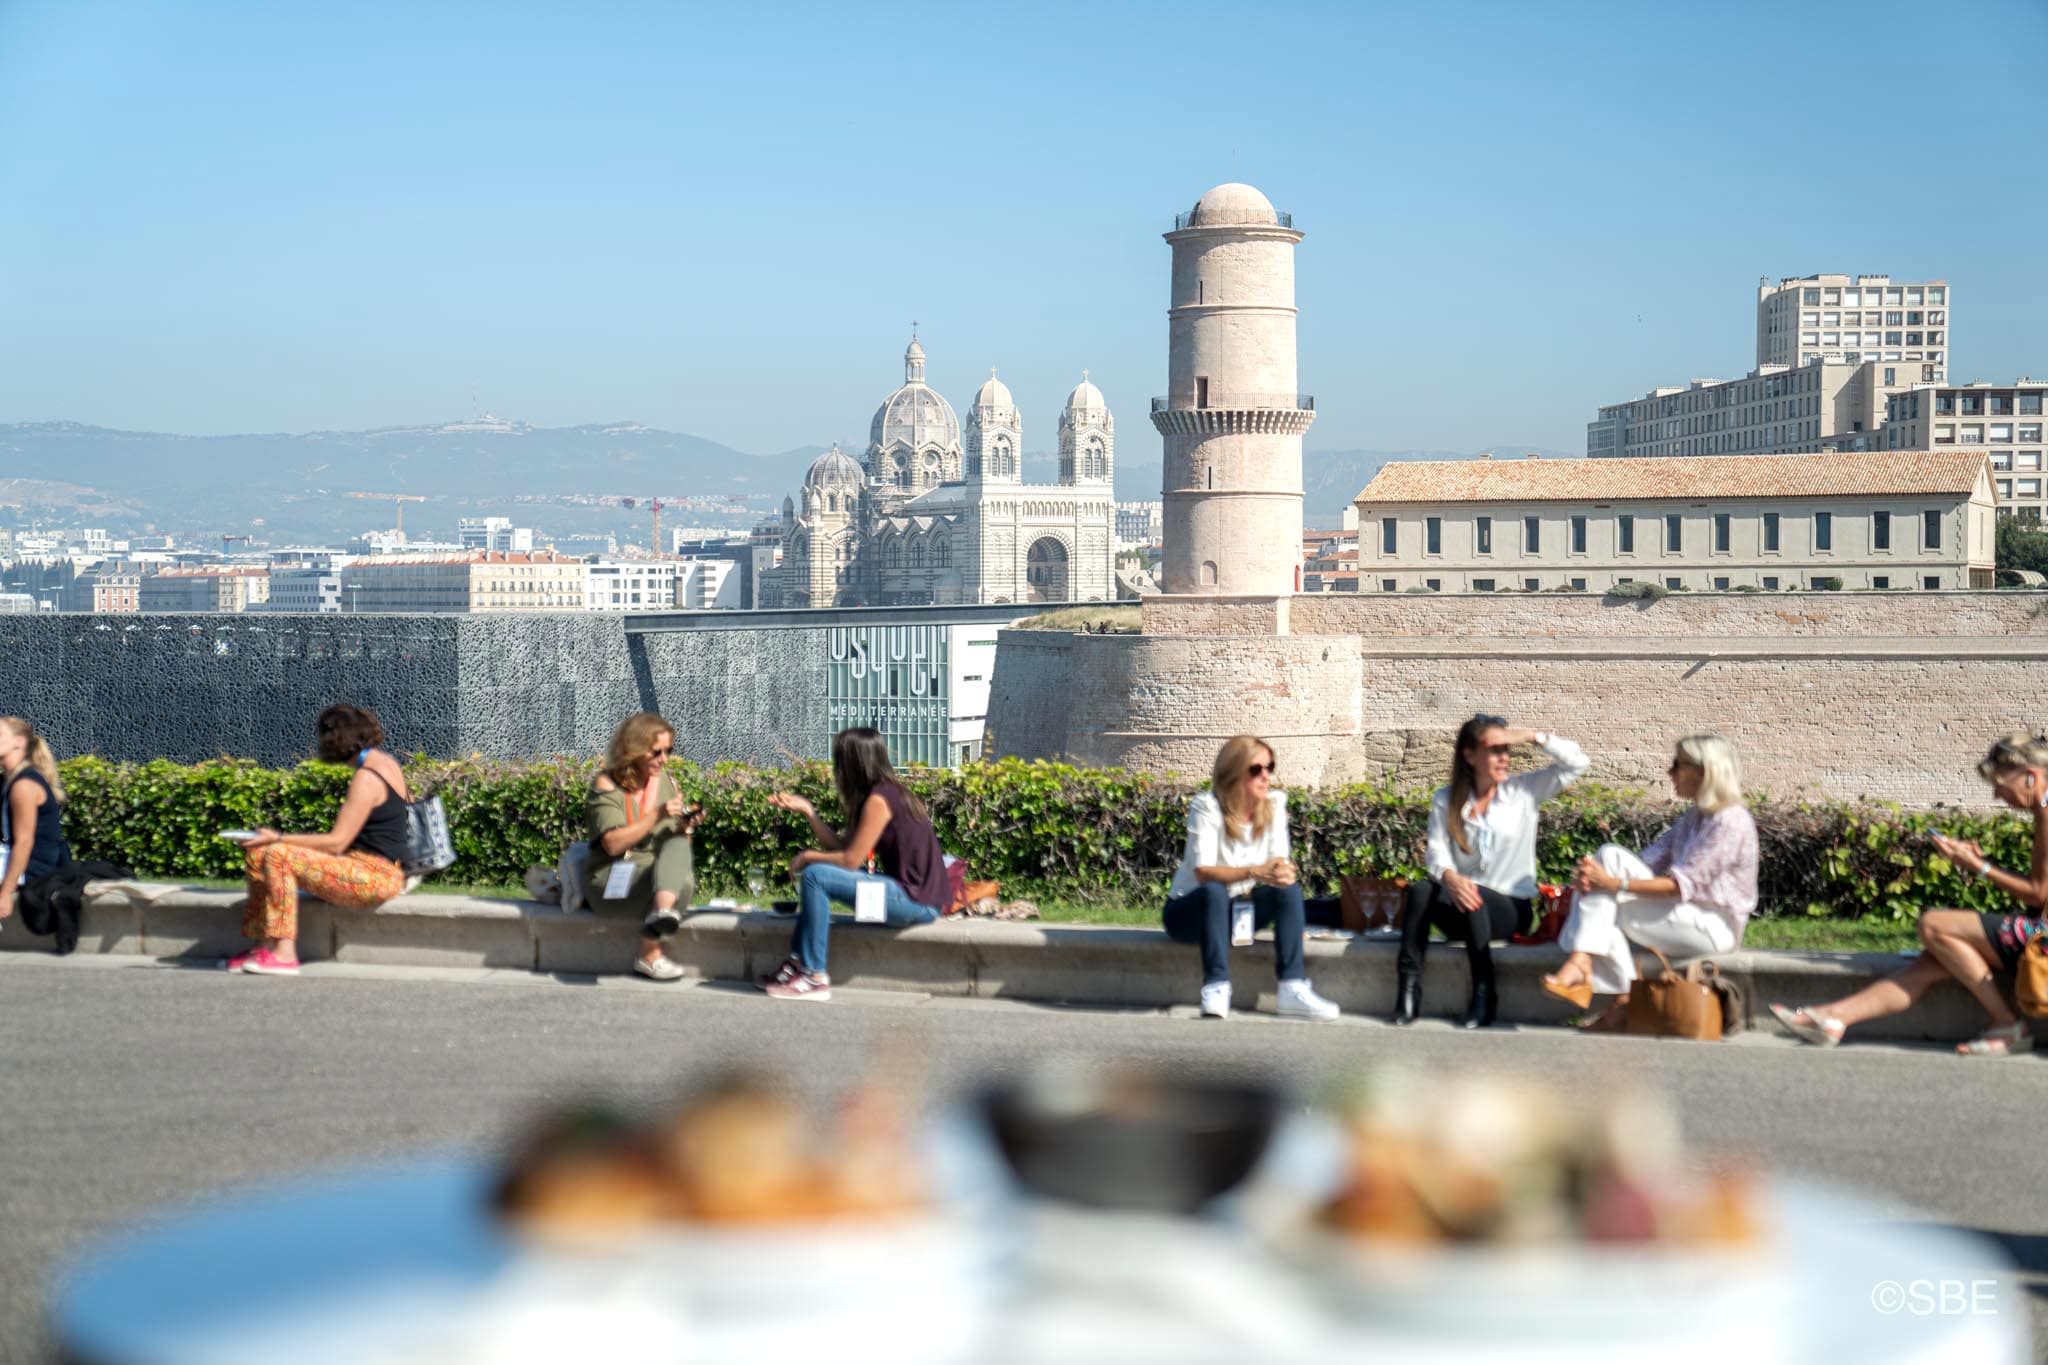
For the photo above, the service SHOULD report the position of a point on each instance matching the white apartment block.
(1764, 522)
(629, 585)
(310, 591)
(709, 584)
(494, 533)
(1853, 318)
(484, 581)
(1139, 524)
(2008, 420)
(1828, 356)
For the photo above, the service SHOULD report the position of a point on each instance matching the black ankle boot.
(1479, 1013)
(1408, 997)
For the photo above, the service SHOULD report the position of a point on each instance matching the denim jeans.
(824, 883)
(1203, 916)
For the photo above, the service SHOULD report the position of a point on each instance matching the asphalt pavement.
(127, 1084)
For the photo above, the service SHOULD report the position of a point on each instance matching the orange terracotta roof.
(1873, 474)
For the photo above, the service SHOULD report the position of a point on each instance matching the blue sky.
(722, 219)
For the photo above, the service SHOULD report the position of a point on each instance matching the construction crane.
(657, 529)
(226, 541)
(400, 498)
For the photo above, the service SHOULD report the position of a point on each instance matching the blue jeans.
(824, 883)
(1203, 916)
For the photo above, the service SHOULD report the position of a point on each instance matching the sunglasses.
(2004, 757)
(661, 753)
(1484, 719)
(1262, 769)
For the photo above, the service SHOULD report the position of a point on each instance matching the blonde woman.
(1690, 894)
(639, 828)
(31, 818)
(1481, 857)
(1238, 848)
(1981, 951)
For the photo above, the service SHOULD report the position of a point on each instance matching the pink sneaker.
(240, 960)
(801, 986)
(781, 975)
(263, 962)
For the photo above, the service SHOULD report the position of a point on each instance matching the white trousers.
(1602, 923)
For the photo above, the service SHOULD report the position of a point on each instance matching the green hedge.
(1042, 829)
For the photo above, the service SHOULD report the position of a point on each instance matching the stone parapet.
(1106, 967)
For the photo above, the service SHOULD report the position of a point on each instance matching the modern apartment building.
(484, 581)
(1827, 359)
(494, 533)
(310, 591)
(709, 584)
(1139, 524)
(205, 588)
(1853, 318)
(629, 585)
(2006, 419)
(1764, 522)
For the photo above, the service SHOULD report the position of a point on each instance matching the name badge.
(1240, 923)
(870, 903)
(620, 883)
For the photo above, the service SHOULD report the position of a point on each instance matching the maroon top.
(909, 851)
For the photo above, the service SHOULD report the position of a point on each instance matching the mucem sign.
(893, 678)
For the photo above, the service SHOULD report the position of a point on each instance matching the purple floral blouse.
(1713, 859)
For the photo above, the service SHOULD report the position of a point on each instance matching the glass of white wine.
(757, 882)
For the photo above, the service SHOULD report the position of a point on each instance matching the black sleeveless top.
(386, 832)
(48, 852)
(909, 851)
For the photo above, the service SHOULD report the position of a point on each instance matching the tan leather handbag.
(2030, 978)
(1674, 1006)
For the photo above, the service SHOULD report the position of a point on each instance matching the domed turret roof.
(1233, 203)
(993, 393)
(1086, 397)
(834, 469)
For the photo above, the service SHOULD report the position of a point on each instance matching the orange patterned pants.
(278, 872)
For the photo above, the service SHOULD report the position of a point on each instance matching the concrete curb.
(1073, 964)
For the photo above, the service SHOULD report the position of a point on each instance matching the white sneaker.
(1298, 1000)
(1216, 1000)
(661, 969)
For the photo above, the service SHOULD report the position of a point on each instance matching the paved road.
(125, 1083)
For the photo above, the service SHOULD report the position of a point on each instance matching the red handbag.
(1556, 902)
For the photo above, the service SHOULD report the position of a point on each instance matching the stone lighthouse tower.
(1231, 420)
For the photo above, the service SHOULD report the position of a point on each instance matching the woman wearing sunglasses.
(1481, 857)
(1238, 850)
(640, 827)
(1980, 951)
(1690, 894)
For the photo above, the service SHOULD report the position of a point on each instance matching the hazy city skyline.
(240, 219)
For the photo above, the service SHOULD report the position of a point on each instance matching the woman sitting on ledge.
(1481, 856)
(883, 819)
(353, 865)
(1690, 894)
(1238, 848)
(1976, 949)
(641, 860)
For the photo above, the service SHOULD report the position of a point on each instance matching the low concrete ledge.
(1074, 964)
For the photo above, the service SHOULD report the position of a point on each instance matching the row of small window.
(2008, 489)
(1874, 339)
(1986, 404)
(1855, 298)
(1935, 319)
(1674, 533)
(1768, 582)
(2015, 459)
(1996, 433)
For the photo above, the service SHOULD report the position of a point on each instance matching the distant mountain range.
(564, 480)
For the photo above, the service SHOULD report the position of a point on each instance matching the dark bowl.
(785, 907)
(1121, 1139)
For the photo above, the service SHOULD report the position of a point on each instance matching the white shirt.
(1503, 840)
(1211, 845)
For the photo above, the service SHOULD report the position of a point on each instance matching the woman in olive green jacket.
(640, 826)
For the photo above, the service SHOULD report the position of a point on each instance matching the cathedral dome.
(915, 415)
(1232, 203)
(834, 470)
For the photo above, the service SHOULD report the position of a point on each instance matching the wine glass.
(757, 882)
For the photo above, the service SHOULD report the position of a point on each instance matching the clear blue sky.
(722, 219)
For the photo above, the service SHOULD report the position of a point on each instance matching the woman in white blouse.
(1238, 850)
(1690, 894)
(1481, 856)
